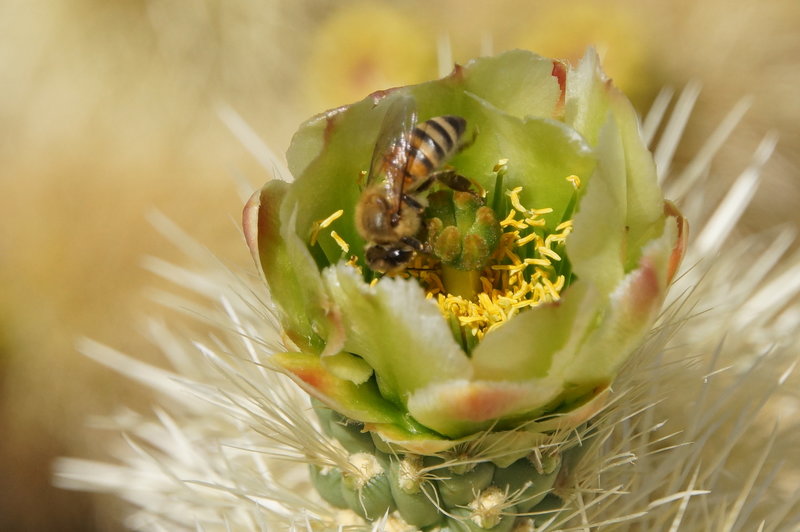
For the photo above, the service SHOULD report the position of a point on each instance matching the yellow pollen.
(523, 271)
(547, 252)
(564, 225)
(501, 165)
(510, 283)
(575, 180)
(339, 240)
(524, 240)
(322, 224)
(514, 196)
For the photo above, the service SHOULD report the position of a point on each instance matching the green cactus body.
(447, 490)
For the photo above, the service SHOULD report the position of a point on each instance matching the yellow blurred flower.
(565, 29)
(363, 47)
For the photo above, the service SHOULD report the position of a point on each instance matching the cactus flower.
(531, 292)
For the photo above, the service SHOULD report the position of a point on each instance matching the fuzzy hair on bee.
(406, 161)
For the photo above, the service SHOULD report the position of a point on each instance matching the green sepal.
(359, 402)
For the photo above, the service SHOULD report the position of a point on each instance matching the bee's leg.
(459, 183)
(413, 243)
(414, 204)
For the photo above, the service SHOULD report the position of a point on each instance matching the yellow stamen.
(517, 277)
(524, 240)
(322, 224)
(501, 165)
(564, 225)
(514, 197)
(575, 180)
(547, 252)
(510, 283)
(339, 240)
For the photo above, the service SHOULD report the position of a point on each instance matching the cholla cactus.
(433, 412)
(491, 349)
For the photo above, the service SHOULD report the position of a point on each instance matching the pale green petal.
(347, 366)
(517, 82)
(289, 270)
(541, 154)
(586, 107)
(597, 246)
(524, 347)
(633, 307)
(330, 181)
(397, 331)
(591, 99)
(644, 197)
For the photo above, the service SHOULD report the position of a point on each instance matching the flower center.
(526, 270)
(529, 267)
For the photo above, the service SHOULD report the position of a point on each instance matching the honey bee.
(406, 161)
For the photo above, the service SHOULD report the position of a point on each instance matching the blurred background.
(109, 110)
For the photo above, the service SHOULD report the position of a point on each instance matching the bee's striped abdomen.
(432, 143)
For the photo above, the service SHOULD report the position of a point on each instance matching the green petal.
(397, 331)
(330, 181)
(347, 366)
(591, 100)
(517, 82)
(633, 307)
(597, 245)
(543, 330)
(541, 154)
(644, 197)
(586, 107)
(289, 270)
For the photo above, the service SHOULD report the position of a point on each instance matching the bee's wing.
(391, 149)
